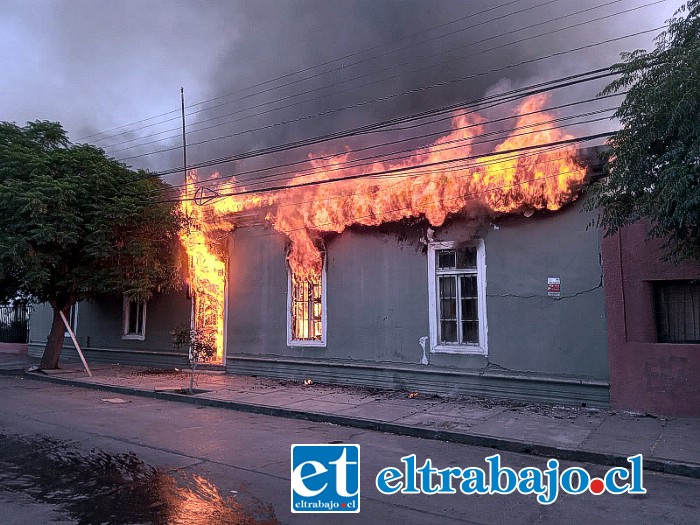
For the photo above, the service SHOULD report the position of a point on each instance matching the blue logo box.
(325, 478)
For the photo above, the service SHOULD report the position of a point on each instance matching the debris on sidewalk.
(114, 400)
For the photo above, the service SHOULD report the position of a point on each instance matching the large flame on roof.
(441, 179)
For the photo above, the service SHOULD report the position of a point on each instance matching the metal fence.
(14, 323)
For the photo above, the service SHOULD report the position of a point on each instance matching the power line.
(458, 168)
(415, 174)
(353, 89)
(394, 66)
(386, 157)
(467, 165)
(402, 208)
(406, 139)
(346, 66)
(356, 163)
(376, 190)
(459, 143)
(413, 91)
(309, 68)
(493, 100)
(408, 168)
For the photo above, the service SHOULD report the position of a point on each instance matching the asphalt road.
(70, 457)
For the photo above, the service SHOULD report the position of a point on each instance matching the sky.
(97, 65)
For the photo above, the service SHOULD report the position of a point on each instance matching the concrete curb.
(13, 371)
(690, 470)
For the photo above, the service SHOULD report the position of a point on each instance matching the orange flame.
(495, 184)
(206, 272)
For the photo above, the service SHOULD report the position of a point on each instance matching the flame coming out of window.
(307, 309)
(454, 182)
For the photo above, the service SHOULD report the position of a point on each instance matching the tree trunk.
(52, 351)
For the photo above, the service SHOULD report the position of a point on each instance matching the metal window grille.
(307, 310)
(677, 308)
(14, 323)
(458, 297)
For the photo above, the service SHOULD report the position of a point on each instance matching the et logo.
(325, 478)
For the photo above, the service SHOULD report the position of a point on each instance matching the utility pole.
(184, 140)
(190, 291)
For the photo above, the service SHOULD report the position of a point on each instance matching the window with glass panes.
(457, 296)
(134, 318)
(677, 308)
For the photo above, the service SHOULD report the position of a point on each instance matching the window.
(306, 311)
(134, 319)
(677, 305)
(72, 320)
(457, 297)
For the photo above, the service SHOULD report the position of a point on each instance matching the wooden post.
(75, 342)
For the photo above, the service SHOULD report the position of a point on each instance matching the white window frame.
(72, 320)
(433, 312)
(324, 312)
(125, 321)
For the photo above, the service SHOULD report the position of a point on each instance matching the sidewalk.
(591, 435)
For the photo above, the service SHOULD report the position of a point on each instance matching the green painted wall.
(377, 293)
(99, 331)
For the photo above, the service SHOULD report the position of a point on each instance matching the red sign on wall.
(554, 287)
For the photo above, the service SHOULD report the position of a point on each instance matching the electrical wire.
(477, 104)
(355, 88)
(373, 215)
(387, 157)
(391, 67)
(406, 168)
(413, 91)
(458, 168)
(304, 70)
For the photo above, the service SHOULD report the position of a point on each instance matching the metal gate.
(14, 323)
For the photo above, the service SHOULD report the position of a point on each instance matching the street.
(69, 456)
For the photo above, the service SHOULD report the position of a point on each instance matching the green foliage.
(202, 347)
(654, 161)
(76, 224)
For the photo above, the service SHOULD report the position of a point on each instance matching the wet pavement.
(58, 482)
(74, 450)
(568, 432)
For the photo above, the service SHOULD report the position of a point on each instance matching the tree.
(76, 224)
(654, 160)
(200, 345)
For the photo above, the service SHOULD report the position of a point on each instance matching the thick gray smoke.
(97, 65)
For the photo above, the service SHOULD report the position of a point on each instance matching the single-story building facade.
(466, 308)
(513, 306)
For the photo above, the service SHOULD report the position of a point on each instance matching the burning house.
(442, 271)
(445, 270)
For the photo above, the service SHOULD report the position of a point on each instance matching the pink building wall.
(645, 376)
